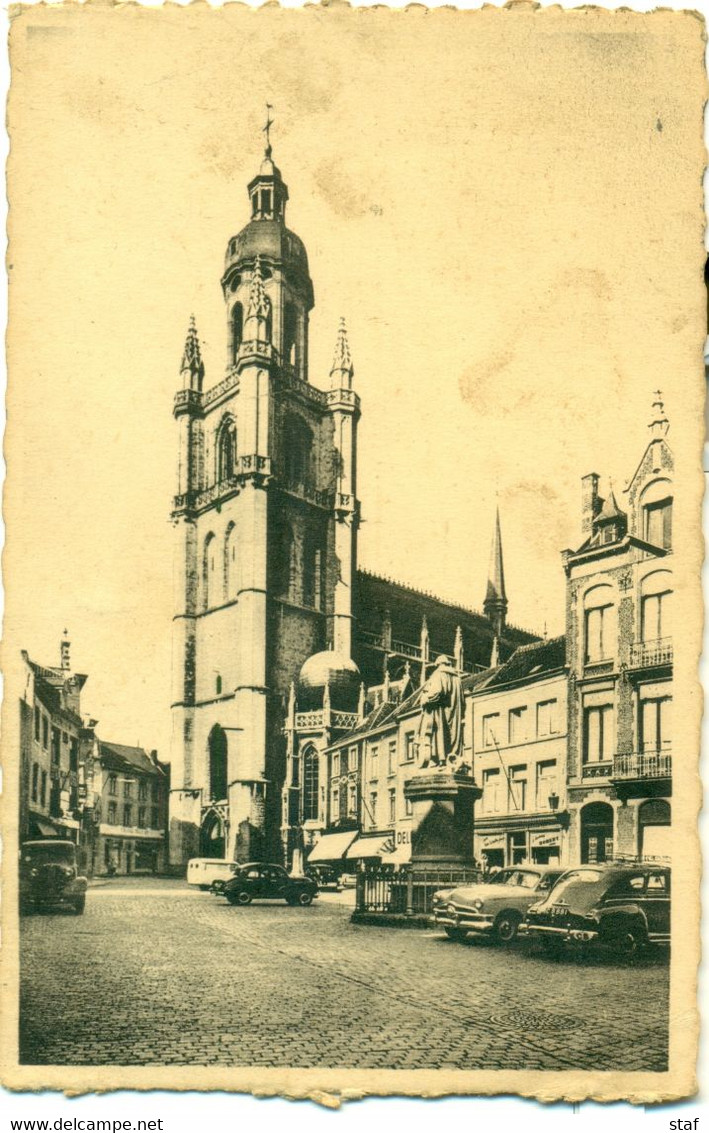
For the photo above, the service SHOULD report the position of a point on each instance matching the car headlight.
(450, 908)
(477, 904)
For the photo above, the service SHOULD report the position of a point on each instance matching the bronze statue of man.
(440, 733)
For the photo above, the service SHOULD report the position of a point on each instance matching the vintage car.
(263, 881)
(497, 906)
(324, 876)
(49, 876)
(616, 905)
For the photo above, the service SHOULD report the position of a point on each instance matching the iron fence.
(407, 891)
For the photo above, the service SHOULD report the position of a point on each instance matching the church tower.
(265, 521)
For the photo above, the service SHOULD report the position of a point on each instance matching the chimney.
(590, 502)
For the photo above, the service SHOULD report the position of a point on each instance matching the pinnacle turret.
(342, 370)
(192, 363)
(258, 311)
(659, 424)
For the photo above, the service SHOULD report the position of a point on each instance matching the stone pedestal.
(442, 823)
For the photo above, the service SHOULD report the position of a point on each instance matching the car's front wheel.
(240, 898)
(457, 934)
(303, 898)
(506, 926)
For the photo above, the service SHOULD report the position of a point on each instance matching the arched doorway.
(654, 820)
(596, 833)
(217, 764)
(213, 836)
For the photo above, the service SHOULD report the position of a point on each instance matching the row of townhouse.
(569, 739)
(109, 799)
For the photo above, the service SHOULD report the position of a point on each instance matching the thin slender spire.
(342, 370)
(495, 604)
(192, 363)
(659, 424)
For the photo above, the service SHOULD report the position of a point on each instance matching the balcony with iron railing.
(640, 765)
(650, 654)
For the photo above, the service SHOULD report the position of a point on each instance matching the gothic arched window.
(298, 454)
(217, 763)
(311, 793)
(237, 329)
(230, 581)
(226, 451)
(208, 571)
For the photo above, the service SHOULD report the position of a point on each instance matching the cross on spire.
(267, 128)
(659, 423)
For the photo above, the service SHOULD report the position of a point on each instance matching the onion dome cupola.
(283, 268)
(329, 675)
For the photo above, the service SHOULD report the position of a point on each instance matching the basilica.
(282, 644)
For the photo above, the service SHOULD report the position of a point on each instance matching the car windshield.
(51, 852)
(526, 878)
(580, 888)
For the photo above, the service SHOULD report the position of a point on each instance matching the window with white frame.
(392, 805)
(598, 733)
(599, 624)
(547, 783)
(491, 729)
(374, 763)
(547, 723)
(518, 787)
(517, 725)
(491, 790)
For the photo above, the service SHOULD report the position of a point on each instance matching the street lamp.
(553, 801)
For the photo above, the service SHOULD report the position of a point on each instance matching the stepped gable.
(376, 596)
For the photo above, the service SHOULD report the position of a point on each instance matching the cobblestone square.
(157, 973)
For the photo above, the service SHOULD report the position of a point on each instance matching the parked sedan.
(261, 880)
(618, 906)
(497, 906)
(49, 876)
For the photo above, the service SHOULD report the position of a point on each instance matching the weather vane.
(267, 127)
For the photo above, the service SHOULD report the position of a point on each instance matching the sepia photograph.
(355, 417)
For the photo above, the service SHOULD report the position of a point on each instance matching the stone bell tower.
(265, 522)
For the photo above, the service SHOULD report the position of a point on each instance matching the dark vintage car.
(324, 876)
(49, 876)
(261, 880)
(618, 906)
(497, 906)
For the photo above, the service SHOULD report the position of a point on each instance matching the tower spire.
(342, 370)
(495, 604)
(192, 365)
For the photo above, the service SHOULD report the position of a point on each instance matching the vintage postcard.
(354, 450)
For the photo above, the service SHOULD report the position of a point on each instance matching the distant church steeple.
(495, 604)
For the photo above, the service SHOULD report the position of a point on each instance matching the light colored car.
(497, 906)
(203, 872)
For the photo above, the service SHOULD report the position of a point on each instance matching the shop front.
(537, 841)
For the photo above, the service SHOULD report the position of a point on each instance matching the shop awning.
(371, 847)
(400, 856)
(331, 847)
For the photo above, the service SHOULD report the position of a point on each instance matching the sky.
(506, 208)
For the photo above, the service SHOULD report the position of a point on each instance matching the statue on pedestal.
(440, 733)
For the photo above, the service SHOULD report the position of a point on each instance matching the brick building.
(619, 655)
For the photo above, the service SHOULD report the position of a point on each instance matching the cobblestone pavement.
(155, 972)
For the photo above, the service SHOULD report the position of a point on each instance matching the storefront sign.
(492, 842)
(550, 838)
(403, 837)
